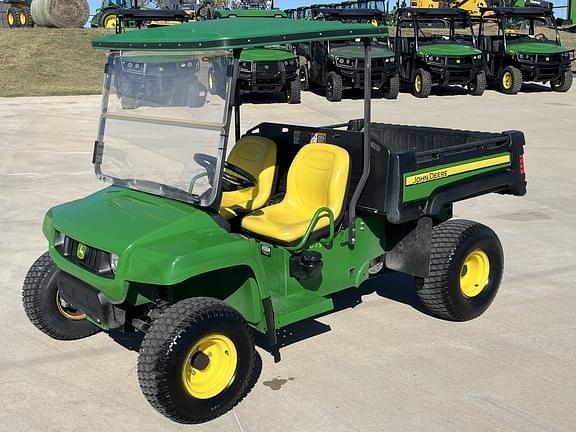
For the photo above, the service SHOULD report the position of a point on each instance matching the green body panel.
(357, 52)
(251, 13)
(452, 50)
(534, 48)
(236, 33)
(423, 190)
(170, 247)
(266, 54)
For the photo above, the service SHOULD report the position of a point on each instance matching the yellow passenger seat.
(318, 177)
(257, 156)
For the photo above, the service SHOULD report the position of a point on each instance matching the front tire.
(466, 266)
(511, 80)
(563, 83)
(293, 93)
(197, 361)
(334, 87)
(422, 83)
(392, 88)
(46, 310)
(12, 17)
(477, 86)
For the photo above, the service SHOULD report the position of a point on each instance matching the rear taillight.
(521, 163)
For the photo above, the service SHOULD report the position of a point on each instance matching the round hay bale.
(60, 13)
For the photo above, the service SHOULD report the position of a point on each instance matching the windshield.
(435, 30)
(518, 28)
(163, 122)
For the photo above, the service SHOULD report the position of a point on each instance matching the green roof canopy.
(236, 33)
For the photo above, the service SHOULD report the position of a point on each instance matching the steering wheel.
(234, 178)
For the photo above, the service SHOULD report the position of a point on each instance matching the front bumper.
(381, 74)
(267, 77)
(455, 71)
(89, 300)
(544, 67)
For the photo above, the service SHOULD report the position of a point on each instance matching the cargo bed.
(414, 171)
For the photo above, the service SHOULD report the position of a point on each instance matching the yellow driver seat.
(257, 155)
(318, 177)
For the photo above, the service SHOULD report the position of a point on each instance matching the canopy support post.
(366, 144)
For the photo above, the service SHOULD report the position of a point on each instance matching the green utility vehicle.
(262, 70)
(200, 247)
(437, 46)
(523, 44)
(339, 65)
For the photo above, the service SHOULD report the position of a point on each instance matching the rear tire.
(422, 83)
(563, 83)
(304, 77)
(176, 355)
(25, 17)
(12, 16)
(108, 20)
(293, 93)
(392, 88)
(511, 80)
(466, 266)
(334, 87)
(46, 310)
(477, 86)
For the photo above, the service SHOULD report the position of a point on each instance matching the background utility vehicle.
(262, 70)
(520, 46)
(430, 55)
(338, 65)
(198, 247)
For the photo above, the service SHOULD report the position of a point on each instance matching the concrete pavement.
(382, 365)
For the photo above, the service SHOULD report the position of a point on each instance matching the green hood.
(266, 54)
(357, 52)
(446, 49)
(115, 220)
(534, 48)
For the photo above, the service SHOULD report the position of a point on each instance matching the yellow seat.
(257, 155)
(318, 177)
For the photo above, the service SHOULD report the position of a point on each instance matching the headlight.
(114, 262)
(565, 55)
(290, 62)
(433, 59)
(246, 65)
(59, 238)
(343, 61)
(477, 57)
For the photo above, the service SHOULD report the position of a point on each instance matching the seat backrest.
(318, 177)
(257, 155)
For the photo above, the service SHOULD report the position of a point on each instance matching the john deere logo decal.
(81, 251)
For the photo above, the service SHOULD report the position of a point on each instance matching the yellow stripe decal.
(458, 169)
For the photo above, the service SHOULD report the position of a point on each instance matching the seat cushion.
(318, 177)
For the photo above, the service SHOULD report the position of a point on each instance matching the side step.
(299, 306)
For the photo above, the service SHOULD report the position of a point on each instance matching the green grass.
(50, 62)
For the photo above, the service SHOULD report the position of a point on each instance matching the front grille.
(267, 67)
(94, 260)
(461, 61)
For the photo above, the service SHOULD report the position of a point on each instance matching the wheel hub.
(210, 366)
(475, 273)
(507, 80)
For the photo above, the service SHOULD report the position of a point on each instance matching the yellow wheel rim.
(475, 273)
(418, 83)
(507, 80)
(23, 19)
(110, 22)
(67, 311)
(11, 20)
(210, 366)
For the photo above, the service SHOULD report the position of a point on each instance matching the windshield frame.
(160, 189)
